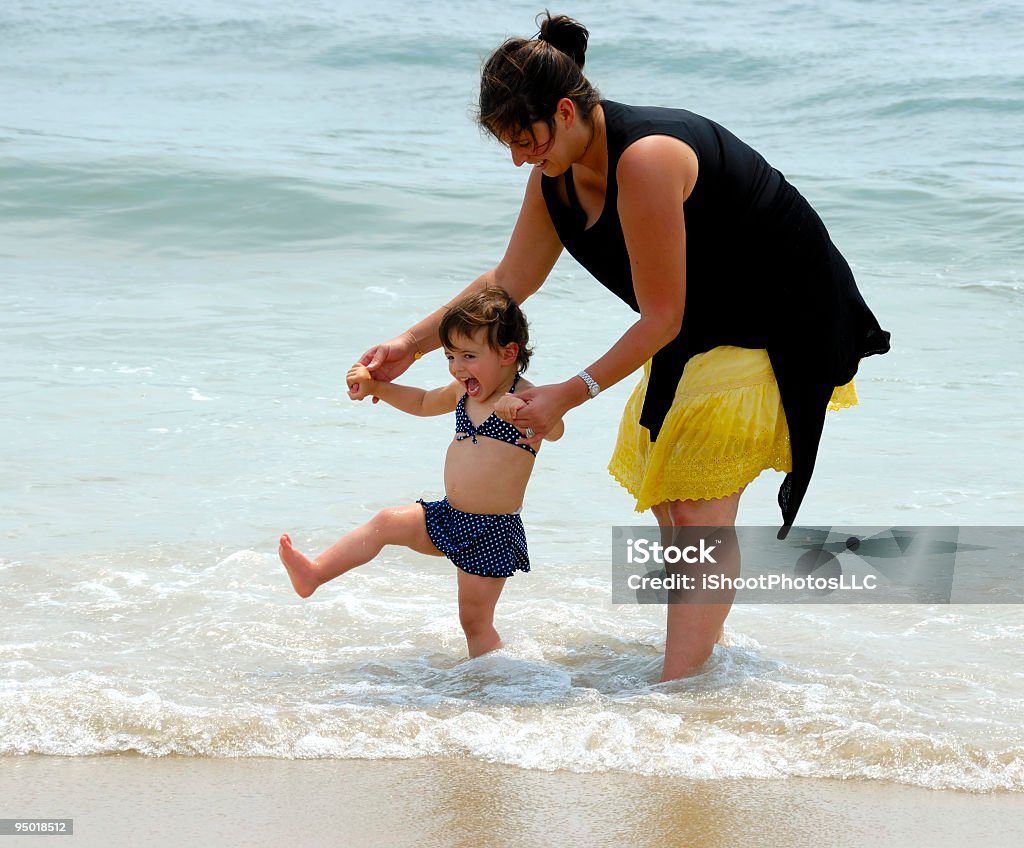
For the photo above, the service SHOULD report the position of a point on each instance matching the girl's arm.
(409, 399)
(556, 432)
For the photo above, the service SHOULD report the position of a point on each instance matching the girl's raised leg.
(401, 525)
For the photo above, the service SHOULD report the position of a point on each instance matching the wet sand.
(131, 800)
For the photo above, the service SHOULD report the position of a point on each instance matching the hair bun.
(565, 34)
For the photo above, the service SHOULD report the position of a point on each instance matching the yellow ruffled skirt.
(725, 427)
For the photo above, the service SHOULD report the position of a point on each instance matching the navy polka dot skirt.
(485, 545)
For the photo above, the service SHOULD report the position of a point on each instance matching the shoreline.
(126, 800)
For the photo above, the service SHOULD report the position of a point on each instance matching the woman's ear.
(566, 110)
(509, 353)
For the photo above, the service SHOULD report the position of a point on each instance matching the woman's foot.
(301, 569)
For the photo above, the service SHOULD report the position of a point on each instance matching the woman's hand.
(390, 359)
(360, 383)
(543, 409)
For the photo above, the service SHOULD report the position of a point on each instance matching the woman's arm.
(533, 248)
(508, 407)
(531, 254)
(655, 176)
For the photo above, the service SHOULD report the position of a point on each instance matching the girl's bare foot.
(301, 569)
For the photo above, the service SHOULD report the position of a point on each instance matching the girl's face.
(481, 369)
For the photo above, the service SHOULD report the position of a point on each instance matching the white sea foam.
(200, 671)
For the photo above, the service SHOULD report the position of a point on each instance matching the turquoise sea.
(208, 210)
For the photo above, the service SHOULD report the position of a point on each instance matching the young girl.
(477, 524)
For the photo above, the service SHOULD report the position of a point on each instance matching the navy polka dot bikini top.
(492, 428)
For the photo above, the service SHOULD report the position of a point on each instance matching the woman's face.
(542, 149)
(556, 148)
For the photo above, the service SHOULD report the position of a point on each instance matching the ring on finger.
(530, 433)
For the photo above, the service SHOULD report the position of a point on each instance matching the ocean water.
(208, 210)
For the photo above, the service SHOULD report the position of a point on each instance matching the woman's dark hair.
(493, 310)
(523, 80)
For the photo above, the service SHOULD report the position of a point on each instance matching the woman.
(749, 318)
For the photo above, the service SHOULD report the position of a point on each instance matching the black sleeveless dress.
(761, 272)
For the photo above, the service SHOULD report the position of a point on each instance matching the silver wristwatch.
(592, 388)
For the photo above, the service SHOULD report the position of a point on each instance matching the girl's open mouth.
(472, 386)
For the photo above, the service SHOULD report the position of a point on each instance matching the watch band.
(593, 389)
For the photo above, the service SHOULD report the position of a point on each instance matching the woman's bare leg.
(695, 624)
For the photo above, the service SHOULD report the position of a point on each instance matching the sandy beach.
(130, 800)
